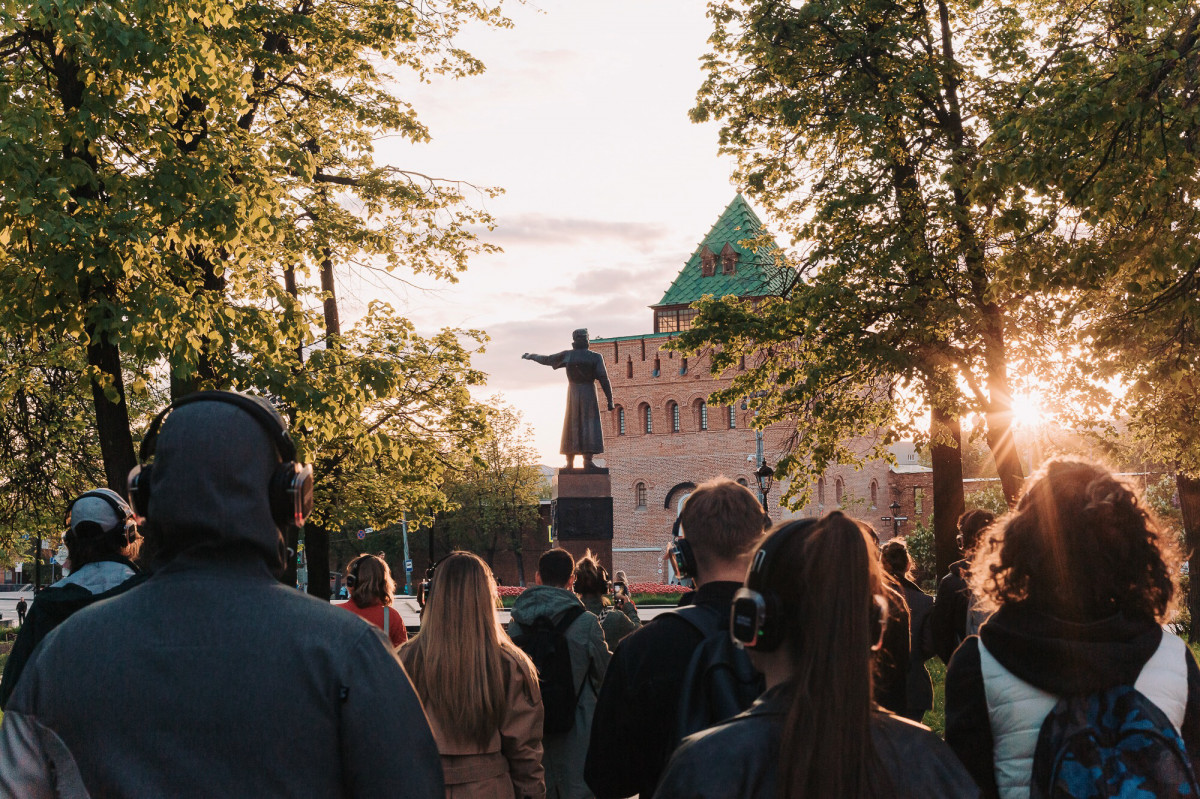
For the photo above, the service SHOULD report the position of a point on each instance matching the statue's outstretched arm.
(544, 360)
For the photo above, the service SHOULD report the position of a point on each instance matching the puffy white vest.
(1017, 709)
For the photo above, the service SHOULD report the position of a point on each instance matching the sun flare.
(1027, 410)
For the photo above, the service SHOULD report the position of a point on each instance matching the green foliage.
(1160, 497)
(496, 497)
(921, 553)
(989, 498)
(173, 173)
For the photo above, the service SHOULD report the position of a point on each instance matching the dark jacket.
(739, 758)
(56, 604)
(920, 649)
(212, 678)
(639, 700)
(948, 620)
(563, 754)
(1059, 657)
(892, 661)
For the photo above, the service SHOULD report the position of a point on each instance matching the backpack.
(719, 681)
(547, 646)
(1115, 743)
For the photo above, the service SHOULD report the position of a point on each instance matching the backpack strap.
(568, 618)
(704, 619)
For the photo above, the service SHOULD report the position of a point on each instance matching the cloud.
(543, 229)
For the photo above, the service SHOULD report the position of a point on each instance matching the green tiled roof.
(757, 273)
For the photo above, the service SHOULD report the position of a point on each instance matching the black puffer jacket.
(739, 759)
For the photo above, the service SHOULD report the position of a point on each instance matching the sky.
(581, 117)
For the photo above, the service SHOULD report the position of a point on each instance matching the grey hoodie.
(211, 678)
(564, 755)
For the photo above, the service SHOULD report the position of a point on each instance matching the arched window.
(648, 419)
(729, 259)
(708, 262)
(641, 494)
(673, 409)
(820, 492)
(701, 415)
(874, 494)
(620, 421)
(742, 482)
(732, 417)
(838, 489)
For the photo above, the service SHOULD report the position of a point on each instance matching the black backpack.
(1115, 743)
(719, 682)
(547, 646)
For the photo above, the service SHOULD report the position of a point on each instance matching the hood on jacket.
(1065, 657)
(537, 601)
(211, 471)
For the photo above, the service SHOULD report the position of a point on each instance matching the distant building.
(663, 438)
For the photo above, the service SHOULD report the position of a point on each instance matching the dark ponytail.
(826, 582)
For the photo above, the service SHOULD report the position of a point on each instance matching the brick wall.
(669, 463)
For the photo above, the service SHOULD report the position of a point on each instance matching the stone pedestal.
(581, 509)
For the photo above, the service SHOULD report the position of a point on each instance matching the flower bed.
(643, 593)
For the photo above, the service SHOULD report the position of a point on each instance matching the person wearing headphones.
(811, 613)
(101, 539)
(213, 678)
(371, 588)
(634, 725)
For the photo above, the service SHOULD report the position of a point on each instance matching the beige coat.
(511, 763)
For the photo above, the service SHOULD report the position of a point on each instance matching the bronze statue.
(581, 434)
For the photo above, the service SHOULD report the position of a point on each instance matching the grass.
(670, 600)
(935, 718)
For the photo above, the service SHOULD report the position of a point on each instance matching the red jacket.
(374, 614)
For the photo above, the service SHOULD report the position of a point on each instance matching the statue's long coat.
(581, 434)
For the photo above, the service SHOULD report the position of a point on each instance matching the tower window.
(683, 366)
(708, 262)
(821, 492)
(729, 259)
(874, 494)
(649, 419)
(838, 489)
(703, 415)
(732, 417)
(674, 407)
(657, 366)
(641, 494)
(620, 421)
(629, 369)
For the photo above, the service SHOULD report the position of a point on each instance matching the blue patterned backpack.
(1115, 743)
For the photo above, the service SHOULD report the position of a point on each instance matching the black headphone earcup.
(684, 558)
(291, 494)
(139, 489)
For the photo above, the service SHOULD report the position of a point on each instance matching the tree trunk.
(1189, 505)
(112, 418)
(316, 543)
(948, 504)
(520, 567)
(333, 326)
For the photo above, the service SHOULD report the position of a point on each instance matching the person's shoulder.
(917, 760)
(738, 757)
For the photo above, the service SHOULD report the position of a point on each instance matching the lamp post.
(764, 475)
(895, 507)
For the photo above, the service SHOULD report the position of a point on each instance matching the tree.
(164, 164)
(496, 498)
(947, 170)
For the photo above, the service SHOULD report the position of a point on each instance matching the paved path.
(411, 612)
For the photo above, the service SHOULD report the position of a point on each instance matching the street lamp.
(895, 507)
(764, 475)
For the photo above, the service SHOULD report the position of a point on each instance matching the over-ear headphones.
(90, 528)
(290, 490)
(352, 577)
(754, 617)
(683, 558)
(755, 614)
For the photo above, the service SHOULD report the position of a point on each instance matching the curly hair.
(1080, 546)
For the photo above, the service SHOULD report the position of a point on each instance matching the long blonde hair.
(456, 662)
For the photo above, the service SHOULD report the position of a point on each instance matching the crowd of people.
(172, 662)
